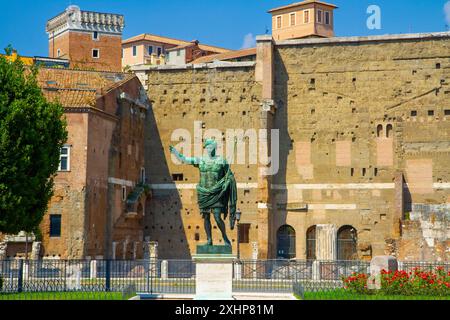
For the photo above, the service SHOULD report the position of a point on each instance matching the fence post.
(164, 269)
(108, 275)
(316, 270)
(20, 277)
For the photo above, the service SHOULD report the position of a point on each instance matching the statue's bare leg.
(207, 217)
(221, 225)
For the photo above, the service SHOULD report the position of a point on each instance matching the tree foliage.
(32, 132)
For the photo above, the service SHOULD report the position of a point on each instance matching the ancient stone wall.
(352, 115)
(211, 98)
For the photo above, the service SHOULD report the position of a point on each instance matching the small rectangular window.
(95, 35)
(178, 177)
(244, 233)
(159, 51)
(55, 225)
(430, 113)
(178, 53)
(306, 16)
(124, 193)
(414, 113)
(319, 16)
(64, 159)
(279, 22)
(95, 53)
(292, 19)
(447, 112)
(327, 17)
(134, 51)
(58, 53)
(150, 50)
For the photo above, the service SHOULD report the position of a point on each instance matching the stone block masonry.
(363, 125)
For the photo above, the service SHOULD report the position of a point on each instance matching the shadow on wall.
(163, 222)
(286, 146)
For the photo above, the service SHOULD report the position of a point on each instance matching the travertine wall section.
(426, 234)
(219, 98)
(346, 114)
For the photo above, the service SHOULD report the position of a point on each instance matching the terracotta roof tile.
(226, 56)
(76, 88)
(176, 42)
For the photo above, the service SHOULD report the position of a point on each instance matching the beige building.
(309, 18)
(151, 49)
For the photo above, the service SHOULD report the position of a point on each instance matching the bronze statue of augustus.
(216, 192)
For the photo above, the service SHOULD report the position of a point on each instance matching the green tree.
(32, 132)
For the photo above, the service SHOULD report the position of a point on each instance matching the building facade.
(363, 133)
(89, 40)
(149, 49)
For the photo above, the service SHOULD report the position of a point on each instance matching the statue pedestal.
(214, 273)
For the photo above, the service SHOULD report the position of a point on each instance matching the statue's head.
(210, 145)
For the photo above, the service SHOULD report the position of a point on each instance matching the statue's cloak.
(225, 191)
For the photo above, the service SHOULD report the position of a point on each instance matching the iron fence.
(122, 279)
(82, 278)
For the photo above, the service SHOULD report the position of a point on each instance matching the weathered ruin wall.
(426, 234)
(348, 123)
(218, 98)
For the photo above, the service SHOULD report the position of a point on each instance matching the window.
(430, 113)
(327, 17)
(150, 50)
(197, 237)
(95, 35)
(311, 243)
(95, 53)
(159, 51)
(178, 177)
(124, 193)
(58, 53)
(279, 22)
(379, 130)
(292, 19)
(55, 225)
(447, 112)
(319, 16)
(286, 242)
(244, 233)
(143, 175)
(64, 159)
(306, 16)
(134, 51)
(347, 243)
(389, 129)
(414, 113)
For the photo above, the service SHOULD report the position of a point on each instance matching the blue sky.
(223, 23)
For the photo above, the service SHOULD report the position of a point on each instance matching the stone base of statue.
(214, 273)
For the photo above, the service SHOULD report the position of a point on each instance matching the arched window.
(347, 239)
(379, 130)
(389, 129)
(286, 242)
(311, 243)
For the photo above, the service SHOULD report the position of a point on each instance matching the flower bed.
(416, 282)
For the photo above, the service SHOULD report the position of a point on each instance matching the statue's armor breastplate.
(211, 172)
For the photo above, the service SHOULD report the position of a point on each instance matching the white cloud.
(447, 12)
(249, 41)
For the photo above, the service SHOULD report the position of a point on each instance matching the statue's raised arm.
(182, 158)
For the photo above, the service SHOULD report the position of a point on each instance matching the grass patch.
(342, 294)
